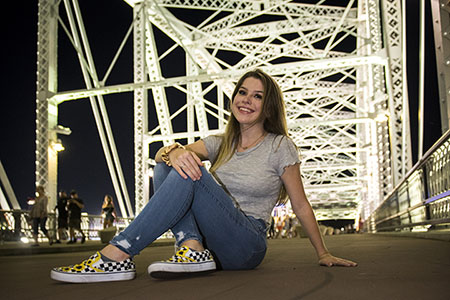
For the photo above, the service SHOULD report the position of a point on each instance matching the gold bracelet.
(165, 155)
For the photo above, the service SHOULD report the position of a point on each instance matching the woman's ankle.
(114, 253)
(194, 245)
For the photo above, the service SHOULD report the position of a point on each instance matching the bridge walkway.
(390, 267)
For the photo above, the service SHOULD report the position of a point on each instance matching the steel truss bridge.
(340, 64)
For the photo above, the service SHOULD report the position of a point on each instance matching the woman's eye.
(241, 92)
(258, 96)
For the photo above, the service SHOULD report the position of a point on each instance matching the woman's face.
(247, 104)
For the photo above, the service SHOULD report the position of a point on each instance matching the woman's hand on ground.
(329, 260)
(186, 163)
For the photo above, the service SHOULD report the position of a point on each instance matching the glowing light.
(381, 117)
(57, 146)
(62, 130)
(420, 228)
(24, 240)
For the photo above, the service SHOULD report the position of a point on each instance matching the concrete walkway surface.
(389, 268)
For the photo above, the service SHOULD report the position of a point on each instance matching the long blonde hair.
(273, 114)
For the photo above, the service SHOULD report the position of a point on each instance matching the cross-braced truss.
(343, 90)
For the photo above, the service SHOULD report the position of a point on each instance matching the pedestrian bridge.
(346, 110)
(340, 64)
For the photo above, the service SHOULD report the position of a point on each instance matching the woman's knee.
(160, 173)
(162, 168)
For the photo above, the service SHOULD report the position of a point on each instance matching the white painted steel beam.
(304, 66)
(441, 27)
(46, 109)
(9, 191)
(78, 34)
(141, 152)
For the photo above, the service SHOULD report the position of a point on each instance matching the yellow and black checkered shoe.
(185, 262)
(95, 269)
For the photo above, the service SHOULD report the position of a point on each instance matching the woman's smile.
(247, 103)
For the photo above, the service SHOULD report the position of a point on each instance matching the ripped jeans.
(196, 210)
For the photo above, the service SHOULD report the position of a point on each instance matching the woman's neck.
(251, 136)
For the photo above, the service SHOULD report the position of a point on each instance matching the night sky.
(82, 165)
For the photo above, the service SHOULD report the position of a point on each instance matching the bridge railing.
(16, 225)
(422, 198)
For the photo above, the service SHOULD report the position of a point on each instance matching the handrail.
(16, 224)
(419, 163)
(422, 197)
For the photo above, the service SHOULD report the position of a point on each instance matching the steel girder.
(7, 189)
(140, 108)
(396, 89)
(46, 110)
(329, 61)
(441, 25)
(336, 76)
(47, 106)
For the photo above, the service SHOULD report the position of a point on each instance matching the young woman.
(39, 216)
(109, 211)
(220, 217)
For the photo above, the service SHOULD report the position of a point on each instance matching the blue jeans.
(196, 210)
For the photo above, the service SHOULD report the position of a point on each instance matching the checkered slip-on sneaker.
(185, 262)
(94, 269)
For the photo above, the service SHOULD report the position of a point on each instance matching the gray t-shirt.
(252, 178)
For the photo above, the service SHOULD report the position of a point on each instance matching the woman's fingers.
(190, 167)
(330, 261)
(344, 262)
(190, 171)
(188, 163)
(198, 161)
(179, 170)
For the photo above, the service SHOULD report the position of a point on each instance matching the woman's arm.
(186, 161)
(44, 206)
(302, 208)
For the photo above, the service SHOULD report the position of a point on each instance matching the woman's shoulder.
(214, 137)
(280, 140)
(213, 141)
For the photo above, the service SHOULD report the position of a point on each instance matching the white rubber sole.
(166, 270)
(91, 277)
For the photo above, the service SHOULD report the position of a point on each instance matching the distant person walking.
(272, 228)
(74, 206)
(109, 211)
(63, 216)
(279, 227)
(39, 215)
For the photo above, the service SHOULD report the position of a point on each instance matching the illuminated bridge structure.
(340, 64)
